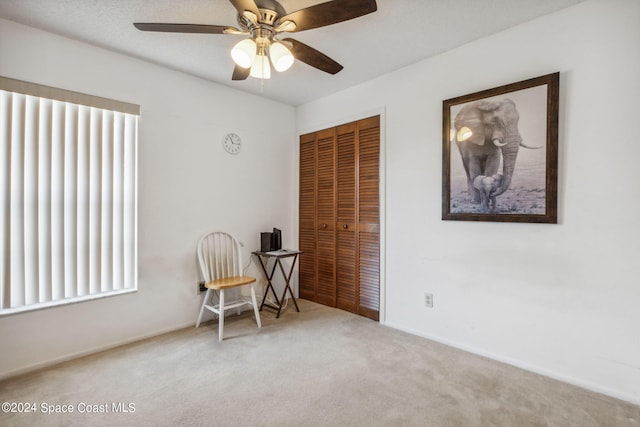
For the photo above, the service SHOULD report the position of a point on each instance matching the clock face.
(232, 143)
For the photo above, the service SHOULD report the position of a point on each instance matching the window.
(68, 196)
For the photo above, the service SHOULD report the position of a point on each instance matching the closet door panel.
(346, 208)
(307, 215)
(369, 218)
(326, 242)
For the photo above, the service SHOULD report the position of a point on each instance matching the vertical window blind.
(68, 167)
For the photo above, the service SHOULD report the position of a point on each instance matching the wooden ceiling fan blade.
(328, 13)
(183, 28)
(313, 57)
(240, 73)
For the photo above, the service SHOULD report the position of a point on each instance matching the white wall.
(187, 185)
(557, 299)
(561, 299)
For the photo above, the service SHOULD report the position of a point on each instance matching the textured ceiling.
(400, 33)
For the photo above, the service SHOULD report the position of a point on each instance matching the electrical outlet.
(201, 287)
(428, 300)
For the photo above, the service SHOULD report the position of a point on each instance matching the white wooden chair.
(220, 261)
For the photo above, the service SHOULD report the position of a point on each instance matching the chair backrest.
(219, 256)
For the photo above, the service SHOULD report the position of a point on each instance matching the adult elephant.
(485, 130)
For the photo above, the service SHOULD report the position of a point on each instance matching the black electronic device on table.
(271, 241)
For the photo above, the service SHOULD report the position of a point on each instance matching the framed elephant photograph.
(500, 153)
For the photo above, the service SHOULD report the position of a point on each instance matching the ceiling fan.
(263, 21)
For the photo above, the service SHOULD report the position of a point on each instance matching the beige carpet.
(320, 367)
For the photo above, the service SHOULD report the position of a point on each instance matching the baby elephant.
(486, 185)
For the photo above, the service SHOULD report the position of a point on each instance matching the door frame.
(382, 174)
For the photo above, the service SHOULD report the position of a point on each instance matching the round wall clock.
(232, 143)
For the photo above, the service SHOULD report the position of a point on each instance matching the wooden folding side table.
(263, 258)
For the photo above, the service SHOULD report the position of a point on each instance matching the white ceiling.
(399, 33)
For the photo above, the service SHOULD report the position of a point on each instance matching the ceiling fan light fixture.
(281, 57)
(244, 52)
(261, 68)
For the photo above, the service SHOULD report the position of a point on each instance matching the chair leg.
(255, 306)
(221, 316)
(204, 302)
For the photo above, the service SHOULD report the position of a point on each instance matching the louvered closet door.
(346, 228)
(357, 225)
(307, 214)
(339, 184)
(369, 217)
(325, 224)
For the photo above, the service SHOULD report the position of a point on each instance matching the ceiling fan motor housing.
(263, 28)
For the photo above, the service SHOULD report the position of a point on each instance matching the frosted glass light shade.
(244, 52)
(260, 68)
(281, 58)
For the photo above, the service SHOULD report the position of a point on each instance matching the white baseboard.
(523, 365)
(71, 356)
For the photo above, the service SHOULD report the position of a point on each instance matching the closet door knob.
(345, 226)
(324, 225)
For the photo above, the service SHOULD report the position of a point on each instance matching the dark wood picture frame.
(483, 131)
